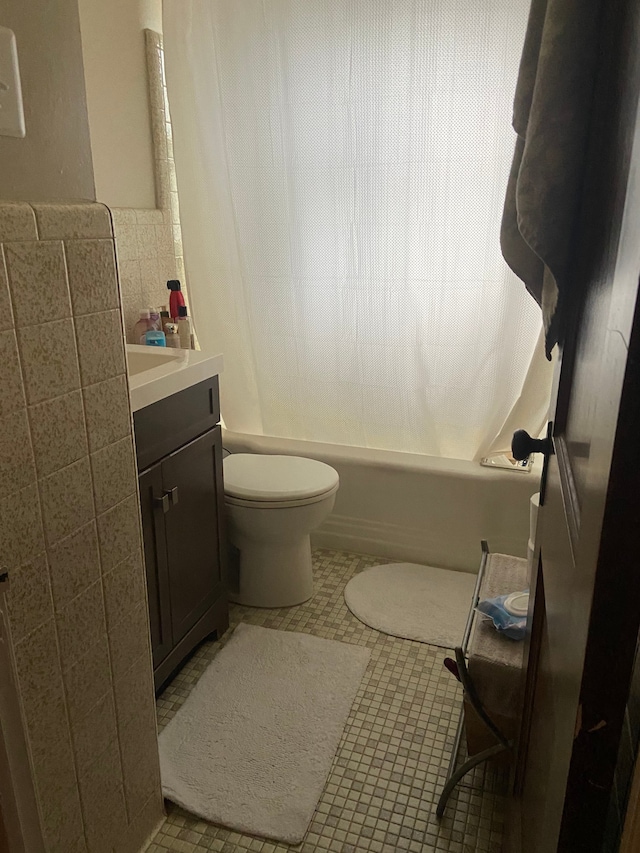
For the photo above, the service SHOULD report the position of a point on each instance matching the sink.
(141, 359)
(158, 372)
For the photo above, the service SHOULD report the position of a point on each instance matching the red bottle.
(176, 300)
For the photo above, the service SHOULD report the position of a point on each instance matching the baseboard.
(400, 542)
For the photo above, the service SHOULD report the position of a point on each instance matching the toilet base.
(274, 574)
(273, 550)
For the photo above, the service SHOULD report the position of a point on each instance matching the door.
(192, 478)
(585, 587)
(630, 842)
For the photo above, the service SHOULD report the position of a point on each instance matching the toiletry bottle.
(172, 335)
(164, 317)
(184, 328)
(176, 300)
(154, 316)
(155, 338)
(143, 326)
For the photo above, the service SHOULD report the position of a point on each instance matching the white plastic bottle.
(154, 316)
(144, 325)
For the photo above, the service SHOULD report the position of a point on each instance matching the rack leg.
(463, 770)
(456, 744)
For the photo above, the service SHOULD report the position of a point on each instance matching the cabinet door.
(192, 477)
(155, 557)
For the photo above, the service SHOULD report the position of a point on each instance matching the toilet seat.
(230, 501)
(276, 481)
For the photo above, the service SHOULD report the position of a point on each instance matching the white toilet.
(272, 505)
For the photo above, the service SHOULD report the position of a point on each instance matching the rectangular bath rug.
(252, 746)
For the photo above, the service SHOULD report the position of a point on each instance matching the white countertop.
(158, 372)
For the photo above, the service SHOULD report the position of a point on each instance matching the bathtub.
(421, 509)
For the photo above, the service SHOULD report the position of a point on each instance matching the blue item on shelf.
(154, 338)
(513, 626)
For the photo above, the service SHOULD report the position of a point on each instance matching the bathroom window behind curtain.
(342, 167)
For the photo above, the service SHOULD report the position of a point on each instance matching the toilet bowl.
(272, 504)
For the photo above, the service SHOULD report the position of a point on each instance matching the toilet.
(272, 505)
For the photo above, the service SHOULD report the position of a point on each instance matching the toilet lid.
(255, 477)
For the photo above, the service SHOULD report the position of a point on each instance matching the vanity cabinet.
(179, 451)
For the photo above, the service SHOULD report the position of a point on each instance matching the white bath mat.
(252, 746)
(414, 602)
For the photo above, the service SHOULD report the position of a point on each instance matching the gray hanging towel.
(551, 115)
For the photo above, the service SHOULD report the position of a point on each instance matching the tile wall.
(70, 528)
(149, 242)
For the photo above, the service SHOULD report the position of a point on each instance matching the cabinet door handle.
(163, 502)
(168, 499)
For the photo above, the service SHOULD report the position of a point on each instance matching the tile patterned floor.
(389, 769)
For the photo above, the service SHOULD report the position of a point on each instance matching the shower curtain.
(341, 167)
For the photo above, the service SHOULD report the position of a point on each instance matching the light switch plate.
(11, 111)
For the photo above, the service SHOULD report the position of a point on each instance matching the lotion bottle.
(165, 319)
(172, 335)
(184, 328)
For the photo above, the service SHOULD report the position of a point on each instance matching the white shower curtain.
(341, 167)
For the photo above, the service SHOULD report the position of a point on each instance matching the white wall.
(53, 161)
(117, 98)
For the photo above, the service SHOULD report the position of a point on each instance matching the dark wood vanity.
(179, 453)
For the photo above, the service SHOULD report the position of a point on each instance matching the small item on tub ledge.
(184, 328)
(155, 338)
(172, 335)
(176, 300)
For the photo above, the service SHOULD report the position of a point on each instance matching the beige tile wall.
(70, 528)
(149, 242)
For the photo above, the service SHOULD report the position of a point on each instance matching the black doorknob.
(522, 445)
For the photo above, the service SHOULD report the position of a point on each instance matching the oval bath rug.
(415, 602)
